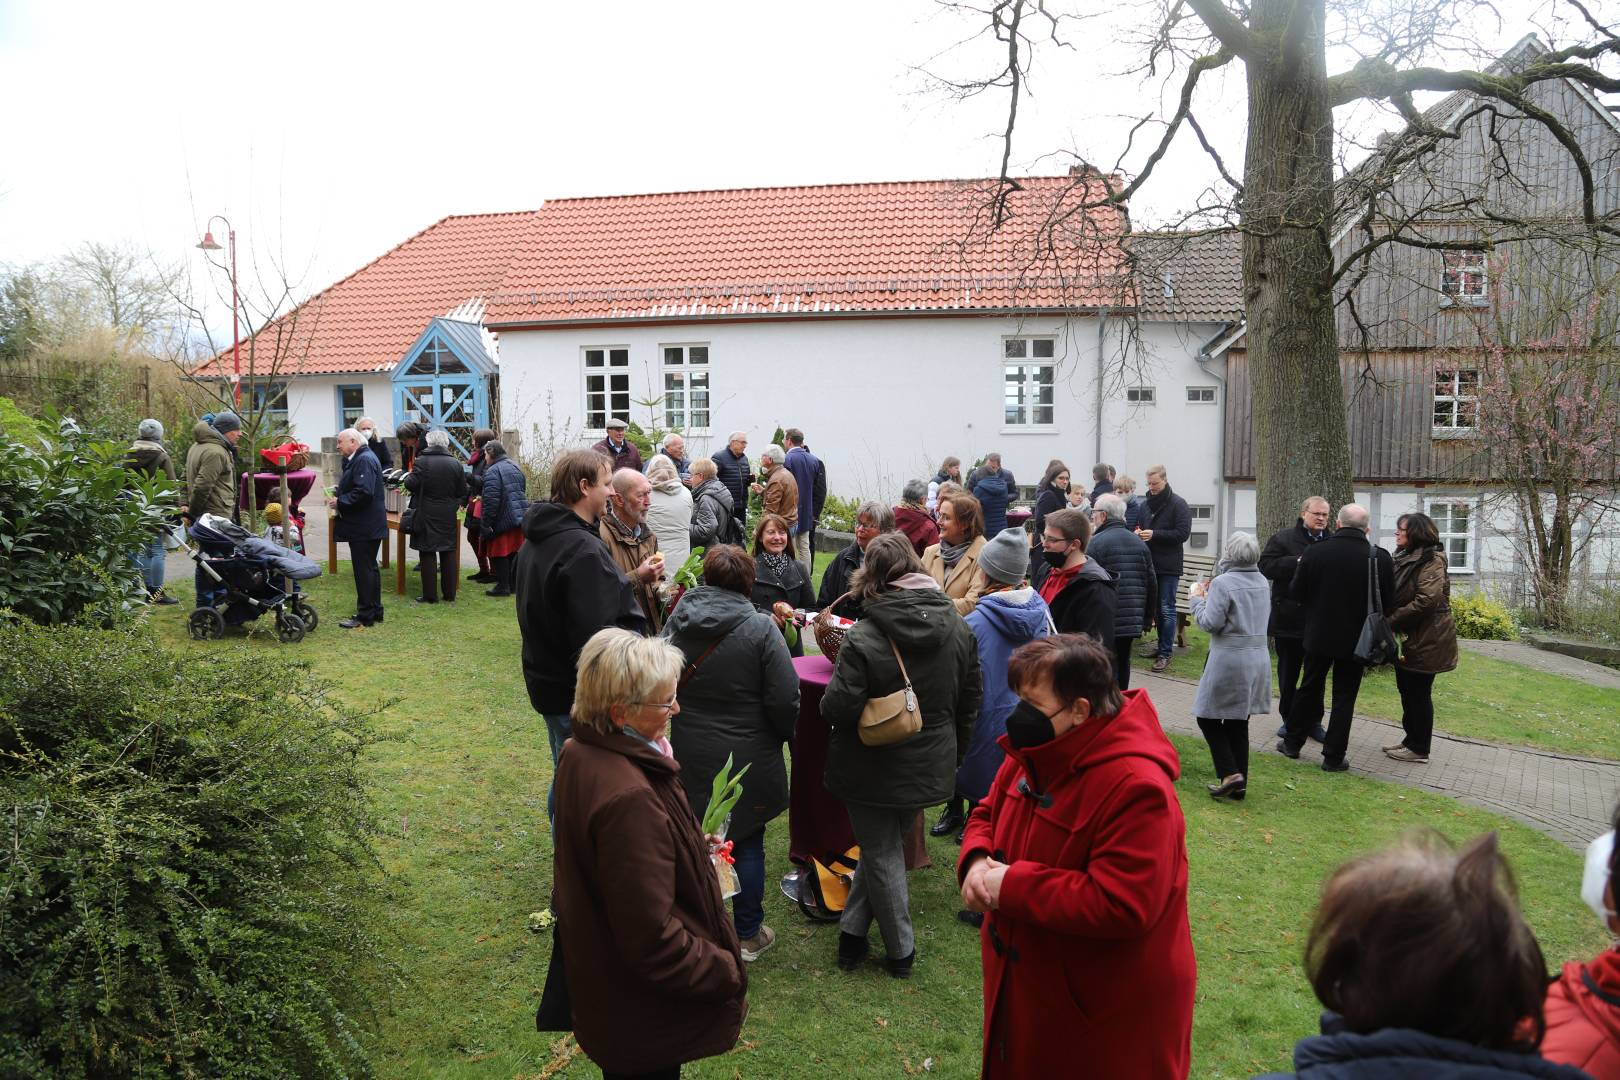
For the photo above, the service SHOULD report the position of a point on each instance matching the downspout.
(1102, 331)
(1204, 359)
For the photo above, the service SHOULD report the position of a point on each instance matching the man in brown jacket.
(633, 546)
(780, 493)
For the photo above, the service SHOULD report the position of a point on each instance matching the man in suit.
(807, 472)
(1287, 628)
(1330, 585)
(362, 521)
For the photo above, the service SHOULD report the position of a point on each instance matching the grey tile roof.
(1195, 276)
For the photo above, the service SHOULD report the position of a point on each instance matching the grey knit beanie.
(150, 429)
(227, 421)
(1005, 559)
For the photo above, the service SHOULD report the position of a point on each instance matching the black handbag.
(1376, 646)
(407, 520)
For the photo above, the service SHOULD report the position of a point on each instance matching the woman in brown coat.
(654, 970)
(1422, 613)
(954, 561)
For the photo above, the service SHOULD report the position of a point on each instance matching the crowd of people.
(986, 670)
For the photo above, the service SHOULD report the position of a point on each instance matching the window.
(1201, 395)
(1140, 395)
(686, 387)
(1202, 518)
(1454, 519)
(607, 386)
(1456, 401)
(1027, 382)
(1463, 278)
(351, 404)
(270, 399)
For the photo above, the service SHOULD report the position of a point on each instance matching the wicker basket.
(829, 638)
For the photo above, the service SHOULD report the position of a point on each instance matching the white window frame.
(687, 370)
(606, 392)
(262, 394)
(1144, 395)
(1027, 355)
(1464, 277)
(1452, 397)
(1195, 395)
(1468, 536)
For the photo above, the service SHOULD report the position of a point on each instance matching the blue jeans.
(748, 906)
(1167, 614)
(558, 728)
(149, 561)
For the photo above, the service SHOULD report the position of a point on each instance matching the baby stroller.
(250, 575)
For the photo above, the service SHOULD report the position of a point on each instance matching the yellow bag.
(824, 888)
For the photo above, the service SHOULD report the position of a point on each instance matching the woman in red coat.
(1078, 858)
(1583, 1003)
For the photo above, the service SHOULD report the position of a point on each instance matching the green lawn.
(461, 790)
(1484, 698)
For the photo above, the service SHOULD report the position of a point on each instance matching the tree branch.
(1228, 29)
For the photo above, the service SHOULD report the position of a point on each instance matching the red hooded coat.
(1583, 1017)
(1088, 959)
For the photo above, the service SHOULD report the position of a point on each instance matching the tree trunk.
(1300, 440)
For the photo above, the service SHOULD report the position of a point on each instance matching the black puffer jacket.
(1122, 553)
(711, 515)
(1087, 605)
(735, 473)
(743, 700)
(943, 660)
(1277, 563)
(437, 485)
(835, 582)
(505, 498)
(1404, 1053)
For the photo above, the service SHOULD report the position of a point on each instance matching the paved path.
(1569, 798)
(1529, 656)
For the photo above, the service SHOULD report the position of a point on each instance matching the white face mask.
(1595, 878)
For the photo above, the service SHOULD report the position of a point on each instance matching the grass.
(1488, 699)
(461, 789)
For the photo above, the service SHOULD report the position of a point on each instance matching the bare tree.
(1286, 201)
(123, 288)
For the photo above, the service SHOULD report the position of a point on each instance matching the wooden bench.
(1193, 567)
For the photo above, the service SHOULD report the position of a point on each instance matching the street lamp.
(209, 244)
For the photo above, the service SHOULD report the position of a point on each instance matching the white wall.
(312, 409)
(884, 400)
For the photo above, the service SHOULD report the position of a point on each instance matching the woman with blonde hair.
(954, 561)
(654, 971)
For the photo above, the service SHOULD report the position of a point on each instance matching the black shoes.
(482, 578)
(974, 919)
(1233, 787)
(427, 599)
(353, 621)
(1287, 751)
(852, 951)
(1318, 733)
(497, 591)
(161, 598)
(953, 820)
(1335, 765)
(901, 968)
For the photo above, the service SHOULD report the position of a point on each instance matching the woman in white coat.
(1236, 682)
(670, 513)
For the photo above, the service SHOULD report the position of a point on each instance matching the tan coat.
(781, 495)
(628, 553)
(962, 583)
(1422, 612)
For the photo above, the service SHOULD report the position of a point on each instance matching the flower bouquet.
(723, 795)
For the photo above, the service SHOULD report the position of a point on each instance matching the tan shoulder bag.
(894, 717)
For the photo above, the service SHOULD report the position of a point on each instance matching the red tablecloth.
(1018, 516)
(818, 824)
(267, 487)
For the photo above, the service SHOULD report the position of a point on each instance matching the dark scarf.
(777, 564)
(1157, 503)
(952, 553)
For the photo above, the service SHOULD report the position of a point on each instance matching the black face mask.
(1028, 726)
(1054, 559)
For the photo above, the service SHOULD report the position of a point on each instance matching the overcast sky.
(328, 132)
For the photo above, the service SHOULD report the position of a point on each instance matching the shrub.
(20, 426)
(1479, 617)
(839, 514)
(184, 861)
(70, 516)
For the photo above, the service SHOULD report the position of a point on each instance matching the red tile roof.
(366, 321)
(918, 246)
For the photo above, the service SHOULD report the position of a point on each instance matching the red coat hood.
(1134, 731)
(1576, 1016)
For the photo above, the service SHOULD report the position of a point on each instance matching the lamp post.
(209, 244)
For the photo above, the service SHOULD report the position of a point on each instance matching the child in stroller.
(250, 578)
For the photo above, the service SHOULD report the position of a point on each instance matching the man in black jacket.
(1331, 585)
(1287, 629)
(1164, 524)
(732, 470)
(1127, 558)
(568, 588)
(1083, 596)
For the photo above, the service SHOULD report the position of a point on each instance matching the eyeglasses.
(661, 708)
(1054, 540)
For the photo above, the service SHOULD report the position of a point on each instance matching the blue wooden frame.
(337, 396)
(452, 392)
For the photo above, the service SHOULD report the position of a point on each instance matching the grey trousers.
(879, 889)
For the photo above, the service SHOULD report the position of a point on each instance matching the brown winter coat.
(781, 495)
(961, 584)
(1422, 612)
(654, 969)
(630, 552)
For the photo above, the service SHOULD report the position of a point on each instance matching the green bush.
(184, 861)
(70, 517)
(20, 426)
(1479, 617)
(839, 514)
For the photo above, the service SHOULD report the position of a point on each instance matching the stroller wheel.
(205, 623)
(307, 613)
(289, 628)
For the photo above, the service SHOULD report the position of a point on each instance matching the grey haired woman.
(1236, 682)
